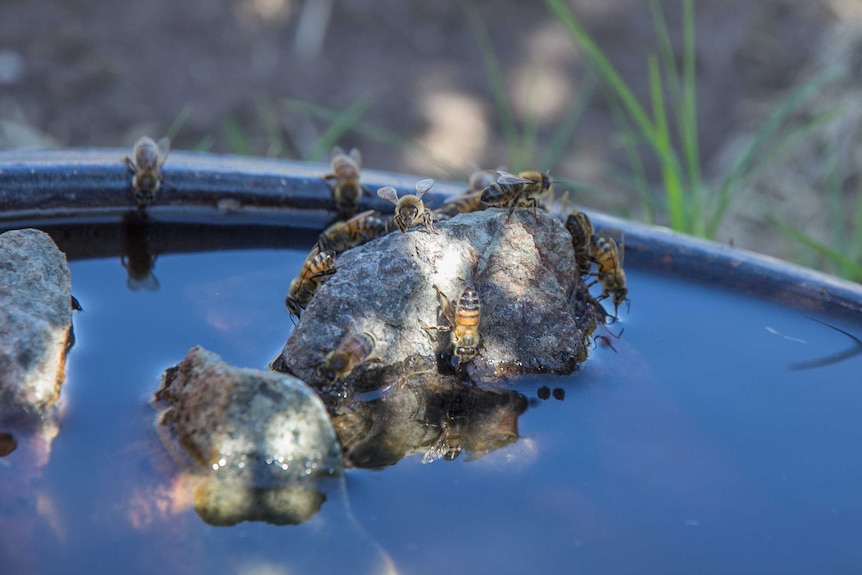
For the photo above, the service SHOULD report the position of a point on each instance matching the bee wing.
(508, 179)
(336, 151)
(163, 146)
(622, 250)
(356, 156)
(423, 186)
(463, 196)
(388, 193)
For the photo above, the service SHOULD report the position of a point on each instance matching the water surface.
(695, 446)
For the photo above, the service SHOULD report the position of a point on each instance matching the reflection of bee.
(361, 228)
(318, 266)
(345, 172)
(610, 270)
(514, 191)
(147, 168)
(581, 228)
(463, 323)
(138, 257)
(355, 348)
(448, 445)
(409, 210)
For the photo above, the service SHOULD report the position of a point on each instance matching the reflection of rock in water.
(437, 417)
(138, 255)
(224, 503)
(262, 440)
(522, 268)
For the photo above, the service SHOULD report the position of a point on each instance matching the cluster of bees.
(486, 188)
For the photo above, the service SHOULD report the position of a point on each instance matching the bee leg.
(428, 219)
(512, 209)
(130, 163)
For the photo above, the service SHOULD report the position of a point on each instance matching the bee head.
(620, 296)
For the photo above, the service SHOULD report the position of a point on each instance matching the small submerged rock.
(35, 320)
(261, 438)
(522, 268)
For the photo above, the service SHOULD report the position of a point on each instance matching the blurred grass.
(665, 126)
(688, 205)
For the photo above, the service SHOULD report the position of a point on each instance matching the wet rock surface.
(35, 320)
(259, 439)
(522, 268)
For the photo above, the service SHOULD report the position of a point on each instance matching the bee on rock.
(361, 228)
(609, 259)
(518, 191)
(318, 266)
(353, 350)
(581, 228)
(409, 209)
(463, 320)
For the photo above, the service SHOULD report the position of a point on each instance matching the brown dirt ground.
(102, 73)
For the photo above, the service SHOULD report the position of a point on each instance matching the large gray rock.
(35, 320)
(260, 439)
(523, 269)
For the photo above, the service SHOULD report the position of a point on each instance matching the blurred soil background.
(258, 77)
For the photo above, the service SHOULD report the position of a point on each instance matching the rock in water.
(261, 427)
(522, 268)
(35, 320)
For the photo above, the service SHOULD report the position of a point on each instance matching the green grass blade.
(497, 83)
(677, 209)
(690, 142)
(236, 140)
(605, 68)
(530, 135)
(638, 179)
(565, 129)
(847, 267)
(341, 124)
(855, 247)
(205, 145)
(271, 128)
(749, 156)
(179, 121)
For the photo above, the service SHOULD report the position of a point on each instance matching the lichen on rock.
(522, 268)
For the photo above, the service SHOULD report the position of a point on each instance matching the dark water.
(694, 447)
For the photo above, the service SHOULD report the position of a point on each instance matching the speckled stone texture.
(257, 428)
(523, 269)
(35, 320)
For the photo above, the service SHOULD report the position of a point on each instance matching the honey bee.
(149, 156)
(518, 191)
(581, 228)
(361, 228)
(609, 259)
(318, 266)
(354, 349)
(463, 322)
(409, 210)
(346, 190)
